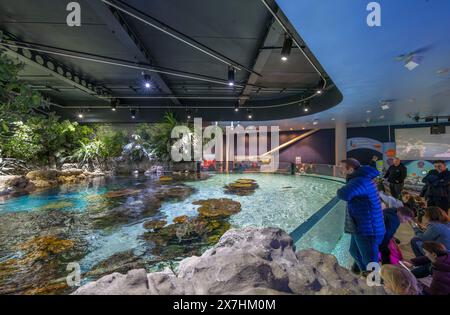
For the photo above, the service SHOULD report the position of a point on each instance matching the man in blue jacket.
(364, 219)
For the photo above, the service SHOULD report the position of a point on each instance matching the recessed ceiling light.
(368, 111)
(319, 91)
(80, 115)
(385, 106)
(333, 118)
(315, 122)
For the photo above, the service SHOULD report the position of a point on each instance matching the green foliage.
(158, 135)
(89, 153)
(17, 100)
(113, 139)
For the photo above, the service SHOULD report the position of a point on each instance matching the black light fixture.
(286, 50)
(231, 76)
(114, 103)
(133, 113)
(147, 81)
(320, 86)
(306, 106)
(188, 114)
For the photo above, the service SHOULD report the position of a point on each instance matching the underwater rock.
(122, 193)
(154, 224)
(57, 205)
(143, 204)
(40, 267)
(242, 187)
(166, 179)
(214, 208)
(183, 239)
(119, 262)
(181, 219)
(245, 261)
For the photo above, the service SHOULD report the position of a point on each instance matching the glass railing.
(324, 231)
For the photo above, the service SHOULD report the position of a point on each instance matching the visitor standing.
(364, 218)
(437, 186)
(396, 175)
(373, 162)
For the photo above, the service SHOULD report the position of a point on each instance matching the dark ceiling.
(185, 47)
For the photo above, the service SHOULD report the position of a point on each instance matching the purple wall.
(317, 148)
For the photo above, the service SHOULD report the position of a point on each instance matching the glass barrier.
(324, 232)
(320, 169)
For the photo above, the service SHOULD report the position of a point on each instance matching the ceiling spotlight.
(114, 103)
(133, 114)
(368, 111)
(249, 114)
(147, 81)
(385, 106)
(188, 114)
(80, 115)
(236, 107)
(319, 92)
(286, 50)
(315, 122)
(231, 76)
(333, 119)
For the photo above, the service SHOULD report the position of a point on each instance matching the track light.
(231, 76)
(147, 81)
(133, 113)
(114, 104)
(286, 50)
(306, 106)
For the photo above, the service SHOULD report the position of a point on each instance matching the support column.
(340, 140)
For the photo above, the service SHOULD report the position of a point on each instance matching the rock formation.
(244, 261)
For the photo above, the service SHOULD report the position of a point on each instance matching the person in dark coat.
(437, 186)
(396, 175)
(393, 217)
(436, 254)
(373, 162)
(364, 218)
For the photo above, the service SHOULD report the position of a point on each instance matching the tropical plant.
(159, 135)
(89, 153)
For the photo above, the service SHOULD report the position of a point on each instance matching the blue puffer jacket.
(364, 205)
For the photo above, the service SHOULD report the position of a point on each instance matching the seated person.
(397, 280)
(392, 219)
(437, 260)
(435, 227)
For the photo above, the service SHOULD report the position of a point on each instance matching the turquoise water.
(280, 201)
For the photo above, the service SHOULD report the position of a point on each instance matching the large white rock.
(245, 261)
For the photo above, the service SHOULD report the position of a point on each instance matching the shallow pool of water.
(70, 213)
